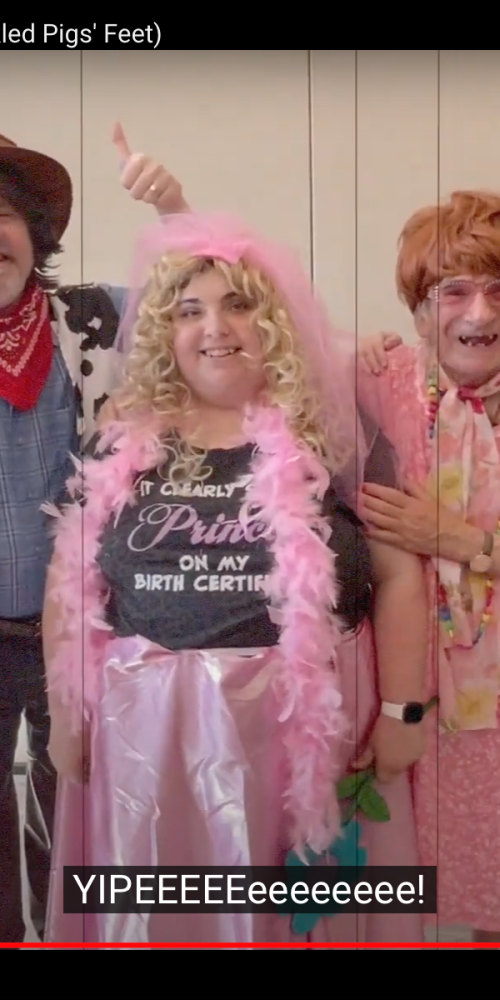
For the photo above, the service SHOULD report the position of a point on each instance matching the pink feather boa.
(286, 491)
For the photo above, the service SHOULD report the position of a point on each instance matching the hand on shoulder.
(108, 414)
(373, 351)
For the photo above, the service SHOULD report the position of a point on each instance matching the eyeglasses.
(460, 292)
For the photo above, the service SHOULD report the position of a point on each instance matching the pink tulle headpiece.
(331, 370)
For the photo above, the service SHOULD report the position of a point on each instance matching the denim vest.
(35, 462)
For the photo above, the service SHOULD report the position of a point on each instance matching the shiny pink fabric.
(188, 770)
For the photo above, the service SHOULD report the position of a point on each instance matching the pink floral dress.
(443, 440)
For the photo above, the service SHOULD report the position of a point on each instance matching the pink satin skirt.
(188, 770)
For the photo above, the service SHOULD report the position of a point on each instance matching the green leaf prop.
(372, 805)
(347, 852)
(357, 794)
(351, 784)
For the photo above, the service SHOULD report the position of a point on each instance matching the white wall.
(329, 150)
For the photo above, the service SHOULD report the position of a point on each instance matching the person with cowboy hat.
(56, 370)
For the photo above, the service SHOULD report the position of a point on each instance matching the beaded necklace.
(434, 396)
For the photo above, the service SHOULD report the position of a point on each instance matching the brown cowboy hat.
(48, 178)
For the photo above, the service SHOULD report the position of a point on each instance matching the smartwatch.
(412, 712)
(482, 562)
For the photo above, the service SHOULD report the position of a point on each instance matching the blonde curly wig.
(152, 381)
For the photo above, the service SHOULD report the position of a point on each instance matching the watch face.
(413, 712)
(481, 564)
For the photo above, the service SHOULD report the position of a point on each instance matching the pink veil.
(331, 368)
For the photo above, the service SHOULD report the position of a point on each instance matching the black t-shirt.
(182, 574)
(381, 464)
(190, 580)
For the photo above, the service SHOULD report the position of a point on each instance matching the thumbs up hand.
(147, 180)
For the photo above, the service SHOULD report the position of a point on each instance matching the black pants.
(22, 689)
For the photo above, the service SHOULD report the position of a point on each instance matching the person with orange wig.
(439, 405)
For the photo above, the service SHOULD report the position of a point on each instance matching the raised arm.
(147, 180)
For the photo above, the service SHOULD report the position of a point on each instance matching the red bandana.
(26, 349)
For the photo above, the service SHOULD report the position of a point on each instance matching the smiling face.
(216, 342)
(16, 255)
(223, 332)
(448, 273)
(461, 318)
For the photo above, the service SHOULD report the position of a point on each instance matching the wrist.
(395, 727)
(411, 692)
(463, 545)
(182, 208)
(404, 713)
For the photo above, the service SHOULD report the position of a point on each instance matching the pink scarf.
(287, 487)
(465, 475)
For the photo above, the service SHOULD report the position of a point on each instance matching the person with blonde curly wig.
(439, 404)
(222, 590)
